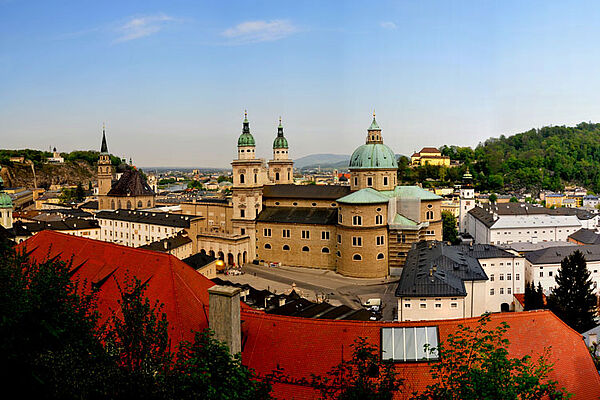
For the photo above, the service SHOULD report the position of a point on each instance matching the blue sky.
(172, 79)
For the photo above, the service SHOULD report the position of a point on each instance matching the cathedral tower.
(105, 170)
(281, 168)
(467, 200)
(249, 176)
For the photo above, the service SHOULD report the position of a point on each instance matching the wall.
(359, 179)
(419, 309)
(499, 270)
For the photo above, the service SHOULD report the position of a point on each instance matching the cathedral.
(362, 230)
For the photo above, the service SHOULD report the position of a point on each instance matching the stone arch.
(504, 307)
(357, 257)
(380, 256)
(244, 257)
(140, 204)
(211, 253)
(286, 247)
(203, 252)
(230, 259)
(119, 204)
(149, 203)
(239, 259)
(267, 246)
(305, 248)
(221, 256)
(128, 204)
(325, 250)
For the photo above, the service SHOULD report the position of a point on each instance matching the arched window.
(255, 178)
(429, 214)
(337, 253)
(286, 247)
(380, 256)
(305, 248)
(357, 257)
(378, 219)
(267, 246)
(276, 176)
(356, 220)
(140, 204)
(241, 178)
(149, 204)
(119, 204)
(112, 204)
(325, 250)
(128, 205)
(385, 181)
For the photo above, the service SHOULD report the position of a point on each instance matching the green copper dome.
(280, 141)
(5, 200)
(373, 156)
(246, 138)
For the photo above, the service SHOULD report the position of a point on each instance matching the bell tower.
(249, 176)
(467, 201)
(281, 168)
(105, 172)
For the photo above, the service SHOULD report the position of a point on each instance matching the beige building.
(180, 246)
(71, 226)
(429, 156)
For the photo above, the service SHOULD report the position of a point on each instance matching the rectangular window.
(267, 232)
(508, 290)
(492, 278)
(380, 240)
(423, 305)
(355, 181)
(438, 305)
(325, 235)
(541, 274)
(406, 305)
(242, 214)
(453, 305)
(508, 277)
(305, 234)
(385, 181)
(356, 220)
(356, 241)
(369, 181)
(339, 239)
(549, 273)
(501, 277)
(378, 219)
(501, 290)
(401, 238)
(409, 344)
(517, 277)
(491, 291)
(285, 233)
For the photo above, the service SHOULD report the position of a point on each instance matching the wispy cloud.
(139, 27)
(388, 25)
(259, 31)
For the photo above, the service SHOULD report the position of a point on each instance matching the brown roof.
(131, 184)
(321, 192)
(429, 150)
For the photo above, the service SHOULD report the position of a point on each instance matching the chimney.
(224, 316)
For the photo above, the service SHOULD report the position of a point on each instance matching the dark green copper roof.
(373, 156)
(280, 141)
(246, 138)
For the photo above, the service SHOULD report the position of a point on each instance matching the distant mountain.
(321, 159)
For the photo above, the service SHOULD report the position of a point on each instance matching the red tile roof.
(300, 346)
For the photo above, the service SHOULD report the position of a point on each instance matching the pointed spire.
(246, 125)
(104, 147)
(245, 115)
(374, 126)
(280, 129)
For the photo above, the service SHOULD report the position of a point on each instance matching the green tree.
(224, 178)
(449, 227)
(513, 199)
(493, 198)
(194, 185)
(79, 194)
(573, 300)
(534, 298)
(364, 376)
(474, 364)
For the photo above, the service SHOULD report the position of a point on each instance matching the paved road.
(335, 288)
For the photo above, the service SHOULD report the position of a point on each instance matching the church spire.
(280, 129)
(104, 147)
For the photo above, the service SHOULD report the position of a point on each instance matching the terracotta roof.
(331, 192)
(300, 346)
(429, 150)
(131, 183)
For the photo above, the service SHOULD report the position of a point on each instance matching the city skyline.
(172, 81)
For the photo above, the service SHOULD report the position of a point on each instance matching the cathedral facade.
(362, 230)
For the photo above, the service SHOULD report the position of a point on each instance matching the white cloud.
(259, 31)
(139, 27)
(388, 25)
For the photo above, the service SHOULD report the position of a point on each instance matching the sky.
(171, 79)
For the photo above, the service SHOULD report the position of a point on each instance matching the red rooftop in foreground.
(300, 346)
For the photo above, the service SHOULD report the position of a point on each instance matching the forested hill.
(546, 158)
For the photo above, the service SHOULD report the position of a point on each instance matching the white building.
(443, 282)
(508, 223)
(590, 201)
(541, 266)
(137, 228)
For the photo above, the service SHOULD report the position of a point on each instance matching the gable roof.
(554, 255)
(182, 290)
(131, 183)
(586, 236)
(300, 346)
(299, 215)
(322, 192)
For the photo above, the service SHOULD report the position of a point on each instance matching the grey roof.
(434, 269)
(480, 251)
(554, 255)
(167, 244)
(198, 260)
(131, 183)
(148, 217)
(586, 236)
(90, 204)
(69, 224)
(523, 247)
(299, 215)
(321, 192)
(531, 209)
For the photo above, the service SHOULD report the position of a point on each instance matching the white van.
(372, 302)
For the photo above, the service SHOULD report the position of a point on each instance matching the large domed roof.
(373, 156)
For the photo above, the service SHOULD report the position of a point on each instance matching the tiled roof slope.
(327, 192)
(302, 347)
(586, 236)
(554, 255)
(299, 215)
(181, 289)
(131, 183)
(298, 345)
